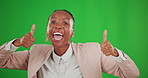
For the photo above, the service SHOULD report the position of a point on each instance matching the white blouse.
(64, 66)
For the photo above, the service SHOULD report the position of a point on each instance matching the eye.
(65, 23)
(53, 22)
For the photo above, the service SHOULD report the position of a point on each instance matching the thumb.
(105, 35)
(32, 29)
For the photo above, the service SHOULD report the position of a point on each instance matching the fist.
(27, 40)
(106, 46)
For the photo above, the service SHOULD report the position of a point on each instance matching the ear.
(47, 37)
(72, 33)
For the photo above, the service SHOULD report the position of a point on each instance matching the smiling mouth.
(58, 36)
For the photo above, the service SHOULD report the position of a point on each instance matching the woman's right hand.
(27, 40)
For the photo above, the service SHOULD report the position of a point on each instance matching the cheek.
(71, 24)
(49, 33)
(67, 33)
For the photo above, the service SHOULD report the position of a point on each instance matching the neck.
(61, 50)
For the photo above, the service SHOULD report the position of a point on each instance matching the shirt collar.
(64, 57)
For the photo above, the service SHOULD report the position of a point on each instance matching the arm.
(123, 69)
(116, 62)
(16, 60)
(13, 60)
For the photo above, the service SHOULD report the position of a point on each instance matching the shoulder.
(88, 49)
(41, 46)
(40, 49)
(89, 44)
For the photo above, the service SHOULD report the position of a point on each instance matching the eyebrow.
(62, 18)
(53, 17)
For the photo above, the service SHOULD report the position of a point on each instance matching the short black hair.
(66, 12)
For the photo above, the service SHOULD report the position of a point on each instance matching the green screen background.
(125, 20)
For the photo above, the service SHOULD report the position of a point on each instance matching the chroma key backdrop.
(125, 20)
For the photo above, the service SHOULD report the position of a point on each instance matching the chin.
(60, 44)
(57, 45)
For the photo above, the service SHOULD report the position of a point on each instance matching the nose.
(58, 27)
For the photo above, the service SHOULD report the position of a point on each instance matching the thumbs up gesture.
(106, 46)
(27, 40)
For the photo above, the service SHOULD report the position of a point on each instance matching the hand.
(106, 46)
(27, 40)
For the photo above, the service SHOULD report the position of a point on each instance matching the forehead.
(60, 14)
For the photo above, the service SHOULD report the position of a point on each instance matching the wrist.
(115, 53)
(17, 42)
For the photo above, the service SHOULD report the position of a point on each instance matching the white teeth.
(57, 33)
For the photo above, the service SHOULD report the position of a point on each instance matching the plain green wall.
(125, 20)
